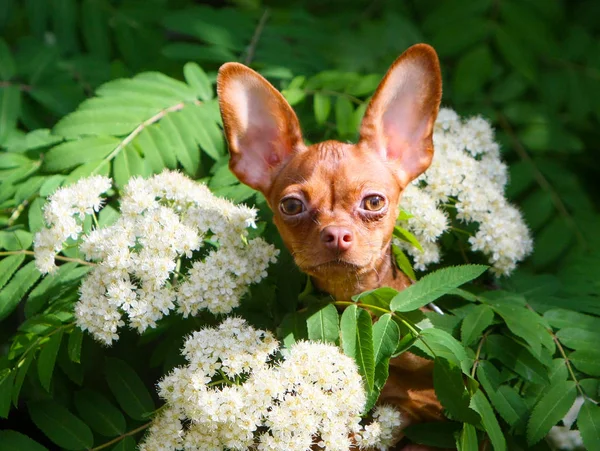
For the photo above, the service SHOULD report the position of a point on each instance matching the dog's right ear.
(260, 126)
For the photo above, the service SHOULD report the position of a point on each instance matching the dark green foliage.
(126, 88)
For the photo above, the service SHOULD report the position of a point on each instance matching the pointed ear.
(260, 126)
(398, 123)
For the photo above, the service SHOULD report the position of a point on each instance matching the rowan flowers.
(145, 265)
(233, 394)
(468, 178)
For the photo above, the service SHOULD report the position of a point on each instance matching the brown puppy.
(335, 204)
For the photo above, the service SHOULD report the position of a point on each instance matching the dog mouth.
(335, 266)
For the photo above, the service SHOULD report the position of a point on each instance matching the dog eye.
(373, 203)
(291, 206)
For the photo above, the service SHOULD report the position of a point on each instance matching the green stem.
(39, 339)
(121, 437)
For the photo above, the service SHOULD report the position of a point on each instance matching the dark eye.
(374, 202)
(291, 206)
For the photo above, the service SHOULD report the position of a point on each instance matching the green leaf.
(23, 367)
(127, 444)
(178, 145)
(343, 116)
(15, 441)
(576, 338)
(386, 336)
(437, 343)
(293, 328)
(7, 379)
(467, 440)
(74, 344)
(561, 318)
(550, 409)
(473, 325)
(451, 391)
(99, 413)
(19, 285)
(187, 132)
(60, 425)
(517, 358)
(209, 136)
(435, 285)
(8, 266)
(505, 399)
(523, 323)
(404, 235)
(74, 153)
(472, 71)
(379, 297)
(323, 325)
(127, 164)
(47, 358)
(588, 423)
(152, 154)
(322, 108)
(438, 435)
(94, 27)
(35, 216)
(516, 54)
(357, 342)
(481, 405)
(587, 361)
(198, 81)
(403, 262)
(129, 390)
(100, 122)
(10, 109)
(7, 63)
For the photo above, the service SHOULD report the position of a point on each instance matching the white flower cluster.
(232, 396)
(142, 260)
(64, 214)
(467, 175)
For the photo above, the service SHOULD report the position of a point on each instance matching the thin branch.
(57, 257)
(256, 37)
(121, 437)
(541, 179)
(478, 352)
(21, 86)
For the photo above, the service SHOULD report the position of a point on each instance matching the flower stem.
(121, 437)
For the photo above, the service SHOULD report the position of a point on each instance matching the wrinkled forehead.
(340, 167)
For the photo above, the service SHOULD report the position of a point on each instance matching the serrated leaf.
(15, 441)
(523, 323)
(163, 144)
(587, 361)
(379, 297)
(404, 235)
(357, 342)
(47, 358)
(473, 325)
(152, 155)
(437, 343)
(386, 336)
(99, 413)
(561, 318)
(550, 409)
(35, 218)
(177, 145)
(467, 440)
(74, 344)
(99, 122)
(176, 88)
(438, 434)
(128, 389)
(451, 391)
(323, 325)
(198, 80)
(517, 358)
(293, 328)
(19, 285)
(7, 379)
(588, 423)
(7, 62)
(481, 405)
(73, 153)
(208, 135)
(576, 338)
(61, 426)
(187, 133)
(505, 399)
(10, 109)
(322, 107)
(435, 285)
(127, 164)
(8, 266)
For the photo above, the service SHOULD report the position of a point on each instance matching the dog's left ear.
(398, 123)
